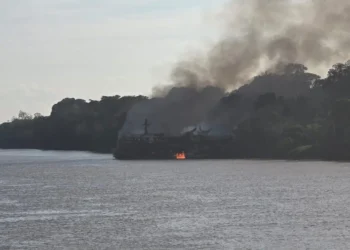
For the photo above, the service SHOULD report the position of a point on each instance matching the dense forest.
(73, 124)
(290, 114)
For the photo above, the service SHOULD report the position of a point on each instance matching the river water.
(73, 200)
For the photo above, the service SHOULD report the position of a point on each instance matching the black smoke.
(261, 37)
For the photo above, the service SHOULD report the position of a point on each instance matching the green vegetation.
(313, 125)
(288, 115)
(73, 124)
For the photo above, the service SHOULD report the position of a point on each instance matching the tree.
(37, 115)
(295, 68)
(24, 116)
(265, 99)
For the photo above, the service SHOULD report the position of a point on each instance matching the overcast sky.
(52, 49)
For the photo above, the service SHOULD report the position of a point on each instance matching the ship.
(153, 146)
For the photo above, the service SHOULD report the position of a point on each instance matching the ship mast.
(146, 125)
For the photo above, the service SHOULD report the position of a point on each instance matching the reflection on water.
(74, 200)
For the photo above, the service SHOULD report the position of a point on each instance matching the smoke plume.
(260, 35)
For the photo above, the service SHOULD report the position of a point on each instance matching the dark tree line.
(291, 114)
(73, 124)
(314, 124)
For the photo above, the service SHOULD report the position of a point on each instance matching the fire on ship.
(193, 144)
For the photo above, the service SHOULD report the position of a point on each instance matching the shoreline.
(199, 159)
(57, 150)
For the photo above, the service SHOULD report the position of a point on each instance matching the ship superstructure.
(196, 143)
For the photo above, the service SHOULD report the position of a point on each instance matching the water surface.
(74, 200)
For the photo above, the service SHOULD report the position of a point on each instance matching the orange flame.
(180, 156)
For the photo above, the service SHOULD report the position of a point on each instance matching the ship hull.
(128, 156)
(166, 149)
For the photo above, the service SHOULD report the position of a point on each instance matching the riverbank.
(290, 159)
(55, 150)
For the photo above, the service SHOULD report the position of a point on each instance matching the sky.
(52, 49)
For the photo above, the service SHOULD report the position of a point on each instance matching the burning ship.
(193, 144)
